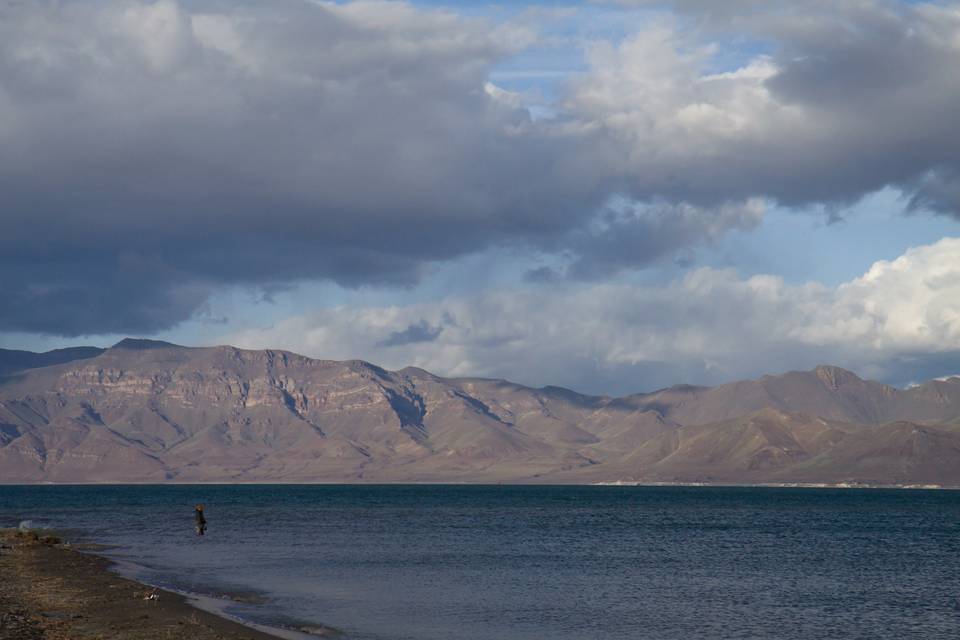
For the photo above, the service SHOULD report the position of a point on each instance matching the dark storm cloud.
(421, 331)
(879, 77)
(279, 142)
(630, 236)
(153, 153)
(938, 191)
(851, 98)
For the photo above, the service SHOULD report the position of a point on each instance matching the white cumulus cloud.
(709, 326)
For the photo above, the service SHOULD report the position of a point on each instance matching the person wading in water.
(201, 522)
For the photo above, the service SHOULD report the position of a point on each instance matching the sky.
(612, 196)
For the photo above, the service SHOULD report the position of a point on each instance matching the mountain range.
(148, 411)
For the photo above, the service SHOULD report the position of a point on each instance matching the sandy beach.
(53, 592)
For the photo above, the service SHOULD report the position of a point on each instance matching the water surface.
(538, 563)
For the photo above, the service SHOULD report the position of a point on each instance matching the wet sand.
(52, 592)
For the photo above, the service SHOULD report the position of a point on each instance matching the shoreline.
(912, 486)
(781, 485)
(53, 591)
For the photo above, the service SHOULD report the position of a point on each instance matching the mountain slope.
(895, 453)
(152, 411)
(226, 413)
(750, 448)
(828, 392)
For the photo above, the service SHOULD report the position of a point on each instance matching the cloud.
(272, 143)
(154, 153)
(900, 321)
(629, 235)
(938, 191)
(845, 99)
(415, 333)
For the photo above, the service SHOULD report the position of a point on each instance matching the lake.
(427, 562)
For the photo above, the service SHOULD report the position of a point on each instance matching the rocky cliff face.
(145, 411)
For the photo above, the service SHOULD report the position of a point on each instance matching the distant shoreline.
(783, 485)
(612, 483)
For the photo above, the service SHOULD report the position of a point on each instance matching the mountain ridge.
(146, 410)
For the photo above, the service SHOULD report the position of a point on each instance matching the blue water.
(525, 563)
